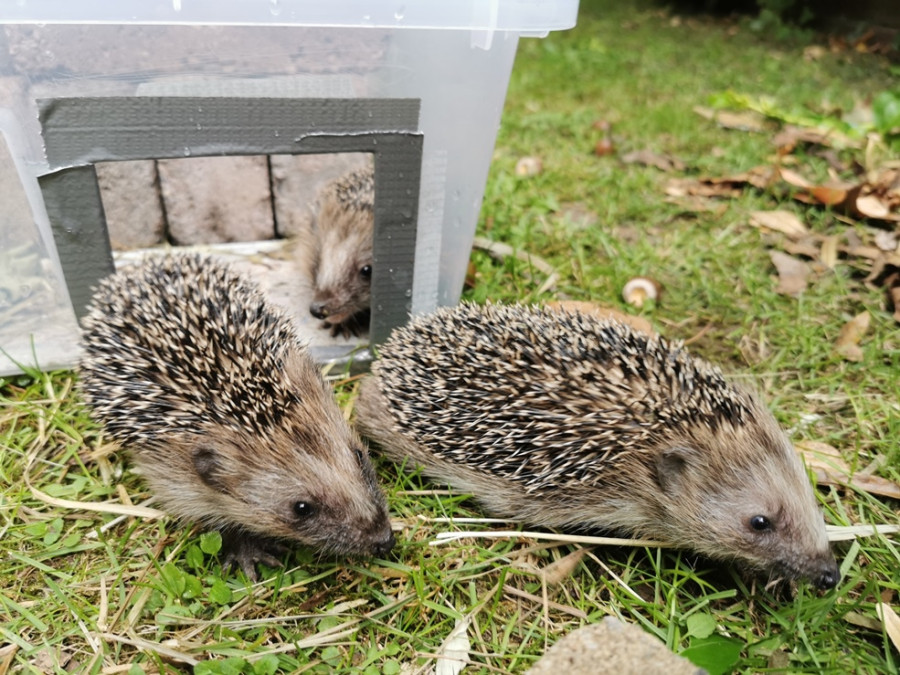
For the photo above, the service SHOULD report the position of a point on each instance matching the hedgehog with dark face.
(225, 414)
(565, 420)
(335, 253)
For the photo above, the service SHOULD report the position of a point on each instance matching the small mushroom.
(640, 289)
(529, 166)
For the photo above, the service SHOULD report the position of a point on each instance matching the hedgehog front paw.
(355, 326)
(245, 550)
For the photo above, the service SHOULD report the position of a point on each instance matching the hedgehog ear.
(671, 466)
(208, 467)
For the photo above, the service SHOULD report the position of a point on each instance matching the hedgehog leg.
(245, 550)
(355, 326)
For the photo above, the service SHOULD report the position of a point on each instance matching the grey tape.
(79, 230)
(80, 131)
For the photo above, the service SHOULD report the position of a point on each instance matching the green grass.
(147, 595)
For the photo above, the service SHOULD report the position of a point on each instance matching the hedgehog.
(566, 420)
(335, 253)
(226, 415)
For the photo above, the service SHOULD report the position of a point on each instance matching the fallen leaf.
(650, 158)
(529, 166)
(453, 654)
(557, 572)
(829, 468)
(792, 273)
(892, 285)
(791, 136)
(833, 195)
(639, 323)
(786, 222)
(814, 52)
(808, 247)
(682, 187)
(871, 206)
(761, 177)
(886, 241)
(747, 120)
(847, 343)
(890, 621)
(829, 251)
(697, 204)
(7, 654)
(793, 178)
(861, 620)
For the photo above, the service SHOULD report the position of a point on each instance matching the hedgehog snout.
(828, 576)
(319, 310)
(383, 547)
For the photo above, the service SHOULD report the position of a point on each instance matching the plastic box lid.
(527, 17)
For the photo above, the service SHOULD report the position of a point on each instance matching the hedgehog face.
(342, 269)
(296, 498)
(762, 514)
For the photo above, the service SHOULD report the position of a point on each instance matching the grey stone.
(130, 195)
(297, 179)
(211, 200)
(611, 647)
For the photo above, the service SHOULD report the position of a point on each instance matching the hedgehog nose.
(382, 548)
(829, 578)
(318, 310)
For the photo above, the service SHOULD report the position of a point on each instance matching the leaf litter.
(863, 192)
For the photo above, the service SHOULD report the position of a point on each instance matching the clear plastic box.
(453, 57)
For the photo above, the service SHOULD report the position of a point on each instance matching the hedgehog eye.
(366, 272)
(760, 523)
(303, 509)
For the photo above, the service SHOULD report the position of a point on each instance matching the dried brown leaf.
(697, 204)
(830, 469)
(892, 286)
(833, 195)
(639, 323)
(861, 620)
(791, 136)
(792, 273)
(681, 187)
(808, 247)
(847, 343)
(814, 52)
(786, 222)
(890, 621)
(886, 241)
(558, 571)
(793, 178)
(761, 177)
(7, 654)
(746, 120)
(828, 254)
(650, 158)
(871, 206)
